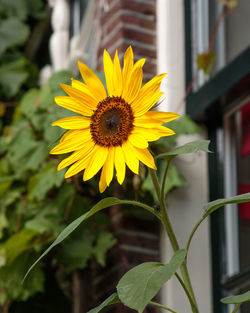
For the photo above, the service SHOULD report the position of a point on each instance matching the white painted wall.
(185, 204)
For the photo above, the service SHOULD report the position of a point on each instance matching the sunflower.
(113, 128)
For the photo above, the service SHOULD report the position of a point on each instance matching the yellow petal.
(146, 104)
(133, 84)
(108, 70)
(119, 165)
(146, 122)
(77, 155)
(84, 99)
(102, 182)
(138, 141)
(78, 166)
(147, 91)
(164, 117)
(82, 87)
(117, 77)
(109, 165)
(145, 157)
(127, 64)
(93, 82)
(65, 135)
(76, 142)
(73, 122)
(164, 131)
(151, 135)
(73, 105)
(71, 134)
(107, 170)
(130, 157)
(96, 162)
(154, 133)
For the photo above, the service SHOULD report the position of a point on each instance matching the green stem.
(193, 232)
(164, 178)
(168, 227)
(142, 205)
(236, 307)
(186, 291)
(162, 306)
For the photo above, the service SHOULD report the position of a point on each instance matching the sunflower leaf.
(212, 206)
(139, 285)
(110, 300)
(105, 203)
(244, 297)
(190, 147)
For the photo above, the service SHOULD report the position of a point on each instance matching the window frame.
(197, 102)
(208, 105)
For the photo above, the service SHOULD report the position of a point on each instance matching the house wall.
(184, 204)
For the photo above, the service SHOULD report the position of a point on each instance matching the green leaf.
(10, 284)
(76, 251)
(245, 297)
(48, 220)
(51, 133)
(205, 61)
(37, 156)
(105, 203)
(104, 242)
(212, 206)
(14, 8)
(4, 223)
(35, 8)
(17, 243)
(191, 147)
(30, 102)
(139, 285)
(46, 179)
(12, 76)
(61, 77)
(184, 125)
(110, 300)
(12, 33)
(25, 152)
(174, 179)
(5, 183)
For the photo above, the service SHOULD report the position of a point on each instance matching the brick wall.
(129, 22)
(124, 23)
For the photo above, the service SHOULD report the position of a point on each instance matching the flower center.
(111, 122)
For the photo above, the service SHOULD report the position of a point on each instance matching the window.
(82, 28)
(236, 267)
(227, 42)
(77, 10)
(217, 101)
(236, 34)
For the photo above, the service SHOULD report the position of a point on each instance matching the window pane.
(237, 34)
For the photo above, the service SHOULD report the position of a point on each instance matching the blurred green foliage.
(35, 201)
